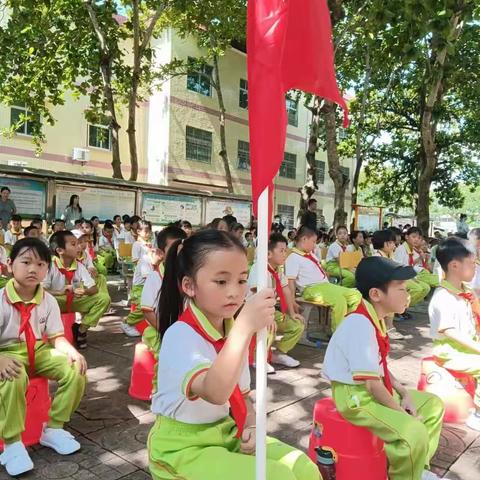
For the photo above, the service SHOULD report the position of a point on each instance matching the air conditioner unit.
(17, 163)
(81, 155)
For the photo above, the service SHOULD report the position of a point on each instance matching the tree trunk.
(132, 98)
(435, 81)
(311, 183)
(223, 136)
(340, 181)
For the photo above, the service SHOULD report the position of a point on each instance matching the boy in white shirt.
(73, 287)
(406, 254)
(126, 235)
(143, 244)
(364, 390)
(290, 325)
(14, 232)
(305, 273)
(333, 266)
(107, 254)
(455, 316)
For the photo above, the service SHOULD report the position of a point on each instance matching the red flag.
(289, 45)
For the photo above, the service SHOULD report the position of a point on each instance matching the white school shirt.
(333, 252)
(3, 256)
(352, 248)
(87, 261)
(45, 318)
(151, 291)
(55, 280)
(142, 269)
(352, 354)
(126, 236)
(475, 283)
(450, 311)
(401, 256)
(103, 242)
(10, 238)
(139, 250)
(379, 253)
(252, 279)
(183, 355)
(303, 271)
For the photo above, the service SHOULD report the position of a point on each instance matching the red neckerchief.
(25, 311)
(68, 274)
(411, 259)
(342, 246)
(91, 250)
(471, 298)
(238, 407)
(383, 345)
(109, 240)
(279, 289)
(424, 260)
(310, 257)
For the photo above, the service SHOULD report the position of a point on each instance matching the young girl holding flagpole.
(205, 427)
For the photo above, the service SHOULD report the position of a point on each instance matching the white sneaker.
(16, 459)
(129, 330)
(270, 369)
(427, 475)
(285, 360)
(473, 421)
(394, 334)
(60, 440)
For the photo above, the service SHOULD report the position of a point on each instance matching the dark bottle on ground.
(326, 464)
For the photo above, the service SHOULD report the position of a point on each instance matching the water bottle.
(326, 464)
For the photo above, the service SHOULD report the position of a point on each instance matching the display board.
(28, 195)
(219, 208)
(162, 209)
(368, 218)
(101, 202)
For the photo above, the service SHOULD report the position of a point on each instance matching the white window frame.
(96, 125)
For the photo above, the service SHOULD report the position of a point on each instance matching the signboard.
(162, 209)
(101, 202)
(29, 196)
(368, 218)
(219, 208)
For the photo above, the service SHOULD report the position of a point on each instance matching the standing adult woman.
(72, 212)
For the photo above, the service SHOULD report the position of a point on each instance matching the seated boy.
(305, 273)
(407, 255)
(455, 316)
(347, 278)
(73, 287)
(106, 254)
(364, 390)
(153, 284)
(290, 325)
(14, 232)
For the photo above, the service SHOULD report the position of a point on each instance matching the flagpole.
(261, 353)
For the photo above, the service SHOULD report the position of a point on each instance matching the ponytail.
(184, 259)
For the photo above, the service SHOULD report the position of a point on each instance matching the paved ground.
(113, 428)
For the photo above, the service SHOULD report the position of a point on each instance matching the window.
(243, 155)
(320, 167)
(99, 136)
(292, 112)
(198, 145)
(199, 80)
(287, 213)
(345, 171)
(243, 96)
(288, 169)
(16, 115)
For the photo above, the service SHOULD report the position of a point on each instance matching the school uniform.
(475, 283)
(149, 303)
(106, 254)
(126, 236)
(100, 280)
(142, 269)
(290, 329)
(358, 352)
(198, 440)
(36, 358)
(419, 287)
(92, 307)
(458, 309)
(11, 238)
(3, 267)
(140, 249)
(347, 278)
(312, 281)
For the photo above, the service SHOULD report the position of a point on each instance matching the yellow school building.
(178, 138)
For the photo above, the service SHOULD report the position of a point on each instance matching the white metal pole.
(261, 354)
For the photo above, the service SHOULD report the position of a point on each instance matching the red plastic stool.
(38, 405)
(68, 320)
(143, 370)
(454, 388)
(356, 451)
(141, 326)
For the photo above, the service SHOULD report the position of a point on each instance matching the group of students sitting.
(198, 294)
